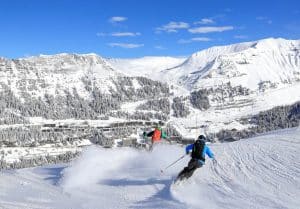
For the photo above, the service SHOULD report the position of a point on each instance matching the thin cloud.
(196, 39)
(160, 47)
(125, 45)
(264, 19)
(210, 29)
(173, 27)
(210, 20)
(117, 19)
(121, 34)
(205, 21)
(218, 17)
(184, 41)
(240, 37)
(201, 39)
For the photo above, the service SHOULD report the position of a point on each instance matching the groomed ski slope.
(261, 172)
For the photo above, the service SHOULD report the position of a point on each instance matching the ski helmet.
(201, 139)
(157, 126)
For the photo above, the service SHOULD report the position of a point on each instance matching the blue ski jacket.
(206, 150)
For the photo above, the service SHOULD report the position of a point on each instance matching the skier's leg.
(190, 172)
(181, 174)
(185, 172)
(193, 163)
(151, 144)
(192, 166)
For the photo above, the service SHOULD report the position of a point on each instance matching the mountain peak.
(276, 43)
(275, 60)
(70, 58)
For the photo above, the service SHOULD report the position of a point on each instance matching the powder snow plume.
(98, 164)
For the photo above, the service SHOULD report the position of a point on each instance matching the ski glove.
(144, 134)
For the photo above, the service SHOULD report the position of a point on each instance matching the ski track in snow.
(261, 172)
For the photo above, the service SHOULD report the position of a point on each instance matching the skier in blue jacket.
(199, 150)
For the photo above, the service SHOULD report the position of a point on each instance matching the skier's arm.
(209, 152)
(164, 135)
(150, 133)
(144, 134)
(188, 148)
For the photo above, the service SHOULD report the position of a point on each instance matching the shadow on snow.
(161, 199)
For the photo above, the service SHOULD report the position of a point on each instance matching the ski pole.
(162, 170)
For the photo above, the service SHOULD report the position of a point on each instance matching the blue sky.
(136, 28)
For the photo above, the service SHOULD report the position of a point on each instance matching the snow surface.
(146, 66)
(261, 172)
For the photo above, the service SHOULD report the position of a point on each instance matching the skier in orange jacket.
(156, 135)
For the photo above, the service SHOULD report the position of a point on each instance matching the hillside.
(146, 66)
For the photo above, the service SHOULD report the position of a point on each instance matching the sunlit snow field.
(261, 172)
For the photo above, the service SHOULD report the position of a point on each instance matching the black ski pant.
(188, 171)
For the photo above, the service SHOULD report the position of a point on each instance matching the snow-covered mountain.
(238, 80)
(275, 62)
(146, 66)
(69, 79)
(261, 172)
(230, 82)
(60, 102)
(54, 74)
(217, 89)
